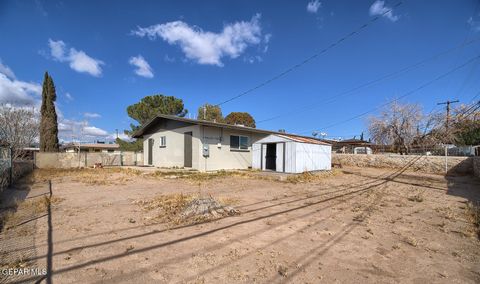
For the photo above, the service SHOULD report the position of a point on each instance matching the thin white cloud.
(70, 129)
(91, 115)
(168, 58)
(4, 69)
(69, 96)
(252, 59)
(123, 136)
(78, 60)
(313, 6)
(17, 92)
(143, 68)
(475, 25)
(266, 41)
(207, 47)
(94, 131)
(378, 8)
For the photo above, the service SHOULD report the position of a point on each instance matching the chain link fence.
(424, 150)
(5, 167)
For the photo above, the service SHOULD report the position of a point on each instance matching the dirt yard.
(353, 225)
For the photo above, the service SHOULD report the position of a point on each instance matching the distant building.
(91, 147)
(352, 146)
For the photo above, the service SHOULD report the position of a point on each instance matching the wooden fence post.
(10, 152)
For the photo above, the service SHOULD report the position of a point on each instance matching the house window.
(238, 142)
(163, 141)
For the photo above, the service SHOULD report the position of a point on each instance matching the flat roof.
(140, 132)
(92, 145)
(304, 139)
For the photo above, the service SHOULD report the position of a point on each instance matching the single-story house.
(171, 141)
(352, 146)
(91, 147)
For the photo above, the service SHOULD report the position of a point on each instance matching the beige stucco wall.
(220, 156)
(427, 164)
(86, 159)
(59, 160)
(173, 154)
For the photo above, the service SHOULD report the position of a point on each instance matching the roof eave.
(140, 132)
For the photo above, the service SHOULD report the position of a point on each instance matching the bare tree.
(398, 125)
(19, 128)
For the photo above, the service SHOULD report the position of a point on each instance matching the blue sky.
(106, 55)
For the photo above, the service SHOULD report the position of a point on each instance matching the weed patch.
(416, 198)
(311, 176)
(473, 216)
(185, 208)
(99, 176)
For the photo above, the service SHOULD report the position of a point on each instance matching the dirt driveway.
(357, 225)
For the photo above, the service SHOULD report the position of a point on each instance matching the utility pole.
(448, 102)
(116, 130)
(448, 111)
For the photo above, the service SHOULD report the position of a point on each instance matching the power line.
(471, 110)
(458, 116)
(448, 103)
(372, 82)
(307, 60)
(404, 95)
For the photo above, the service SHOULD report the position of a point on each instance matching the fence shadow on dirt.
(11, 196)
(21, 209)
(463, 185)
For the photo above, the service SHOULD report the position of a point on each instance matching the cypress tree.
(48, 123)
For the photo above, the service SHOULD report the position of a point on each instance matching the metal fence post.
(446, 161)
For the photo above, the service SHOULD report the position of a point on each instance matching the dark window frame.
(241, 144)
(163, 141)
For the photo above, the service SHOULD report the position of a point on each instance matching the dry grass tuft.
(40, 205)
(312, 176)
(411, 241)
(16, 264)
(37, 206)
(446, 213)
(195, 176)
(282, 270)
(187, 208)
(6, 218)
(416, 198)
(170, 206)
(99, 176)
(473, 215)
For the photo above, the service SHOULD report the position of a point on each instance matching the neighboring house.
(464, 150)
(91, 147)
(28, 153)
(171, 141)
(352, 146)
